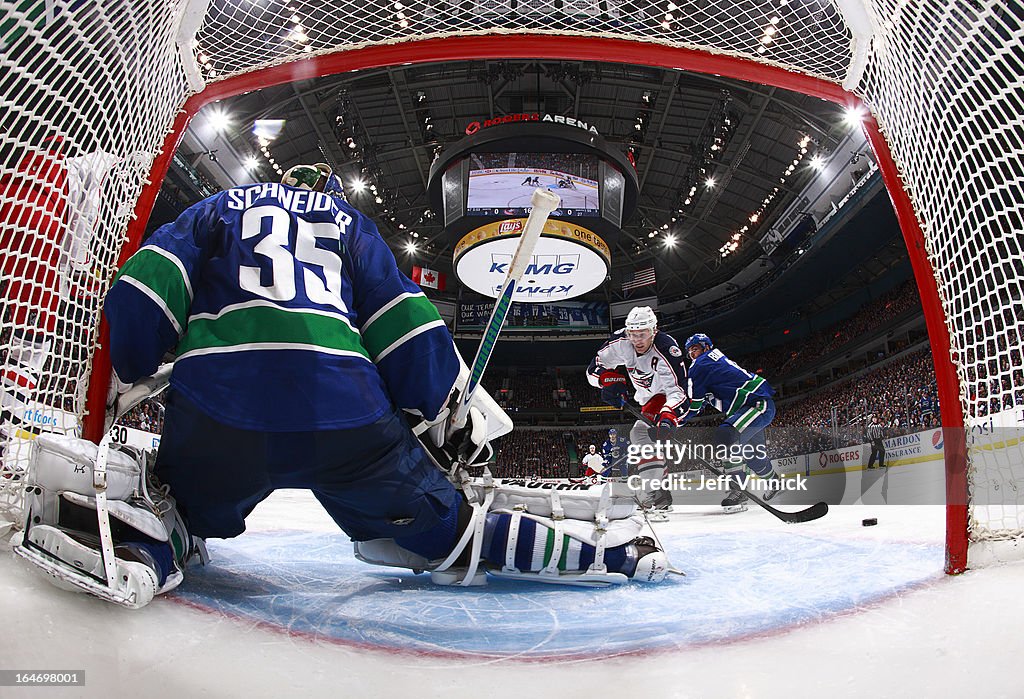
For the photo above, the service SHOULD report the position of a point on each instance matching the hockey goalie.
(303, 359)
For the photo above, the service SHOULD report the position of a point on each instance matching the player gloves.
(651, 410)
(614, 388)
(667, 423)
(664, 421)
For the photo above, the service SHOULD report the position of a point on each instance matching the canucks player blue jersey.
(286, 311)
(732, 386)
(613, 452)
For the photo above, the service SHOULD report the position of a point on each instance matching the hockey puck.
(870, 522)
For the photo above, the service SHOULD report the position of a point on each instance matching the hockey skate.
(655, 515)
(774, 490)
(735, 501)
(651, 512)
(663, 501)
(74, 562)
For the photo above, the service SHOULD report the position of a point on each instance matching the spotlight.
(219, 120)
(853, 116)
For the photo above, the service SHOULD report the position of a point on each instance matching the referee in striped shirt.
(876, 435)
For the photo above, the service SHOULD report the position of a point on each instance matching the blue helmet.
(699, 339)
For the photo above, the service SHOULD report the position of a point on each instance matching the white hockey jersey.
(595, 462)
(659, 370)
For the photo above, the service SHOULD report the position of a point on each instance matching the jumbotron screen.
(500, 184)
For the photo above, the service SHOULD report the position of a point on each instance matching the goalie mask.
(313, 177)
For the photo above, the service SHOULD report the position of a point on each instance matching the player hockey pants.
(746, 426)
(374, 481)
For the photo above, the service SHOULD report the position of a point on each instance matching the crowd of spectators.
(147, 416)
(901, 390)
(997, 383)
(532, 453)
(792, 357)
(527, 389)
(902, 393)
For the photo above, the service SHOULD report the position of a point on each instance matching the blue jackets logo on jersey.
(641, 380)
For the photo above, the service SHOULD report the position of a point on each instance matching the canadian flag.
(429, 278)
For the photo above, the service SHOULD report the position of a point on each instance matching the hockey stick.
(815, 511)
(543, 202)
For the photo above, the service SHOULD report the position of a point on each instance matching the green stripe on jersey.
(267, 324)
(159, 274)
(757, 409)
(742, 392)
(401, 319)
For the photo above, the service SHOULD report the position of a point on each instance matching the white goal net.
(94, 92)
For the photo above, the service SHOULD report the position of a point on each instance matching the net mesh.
(946, 85)
(944, 81)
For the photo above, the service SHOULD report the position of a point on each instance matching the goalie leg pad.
(578, 501)
(67, 519)
(516, 544)
(76, 565)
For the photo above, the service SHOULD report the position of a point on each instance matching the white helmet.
(641, 318)
(593, 448)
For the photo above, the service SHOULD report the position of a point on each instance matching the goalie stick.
(815, 511)
(543, 202)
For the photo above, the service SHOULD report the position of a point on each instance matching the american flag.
(640, 277)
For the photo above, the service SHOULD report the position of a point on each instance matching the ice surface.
(500, 191)
(766, 610)
(310, 584)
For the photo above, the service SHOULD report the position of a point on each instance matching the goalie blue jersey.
(286, 311)
(731, 386)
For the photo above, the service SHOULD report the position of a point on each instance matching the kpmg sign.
(569, 260)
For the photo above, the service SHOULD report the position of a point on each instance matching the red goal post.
(158, 69)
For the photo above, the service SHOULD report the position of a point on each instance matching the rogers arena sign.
(475, 126)
(569, 260)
